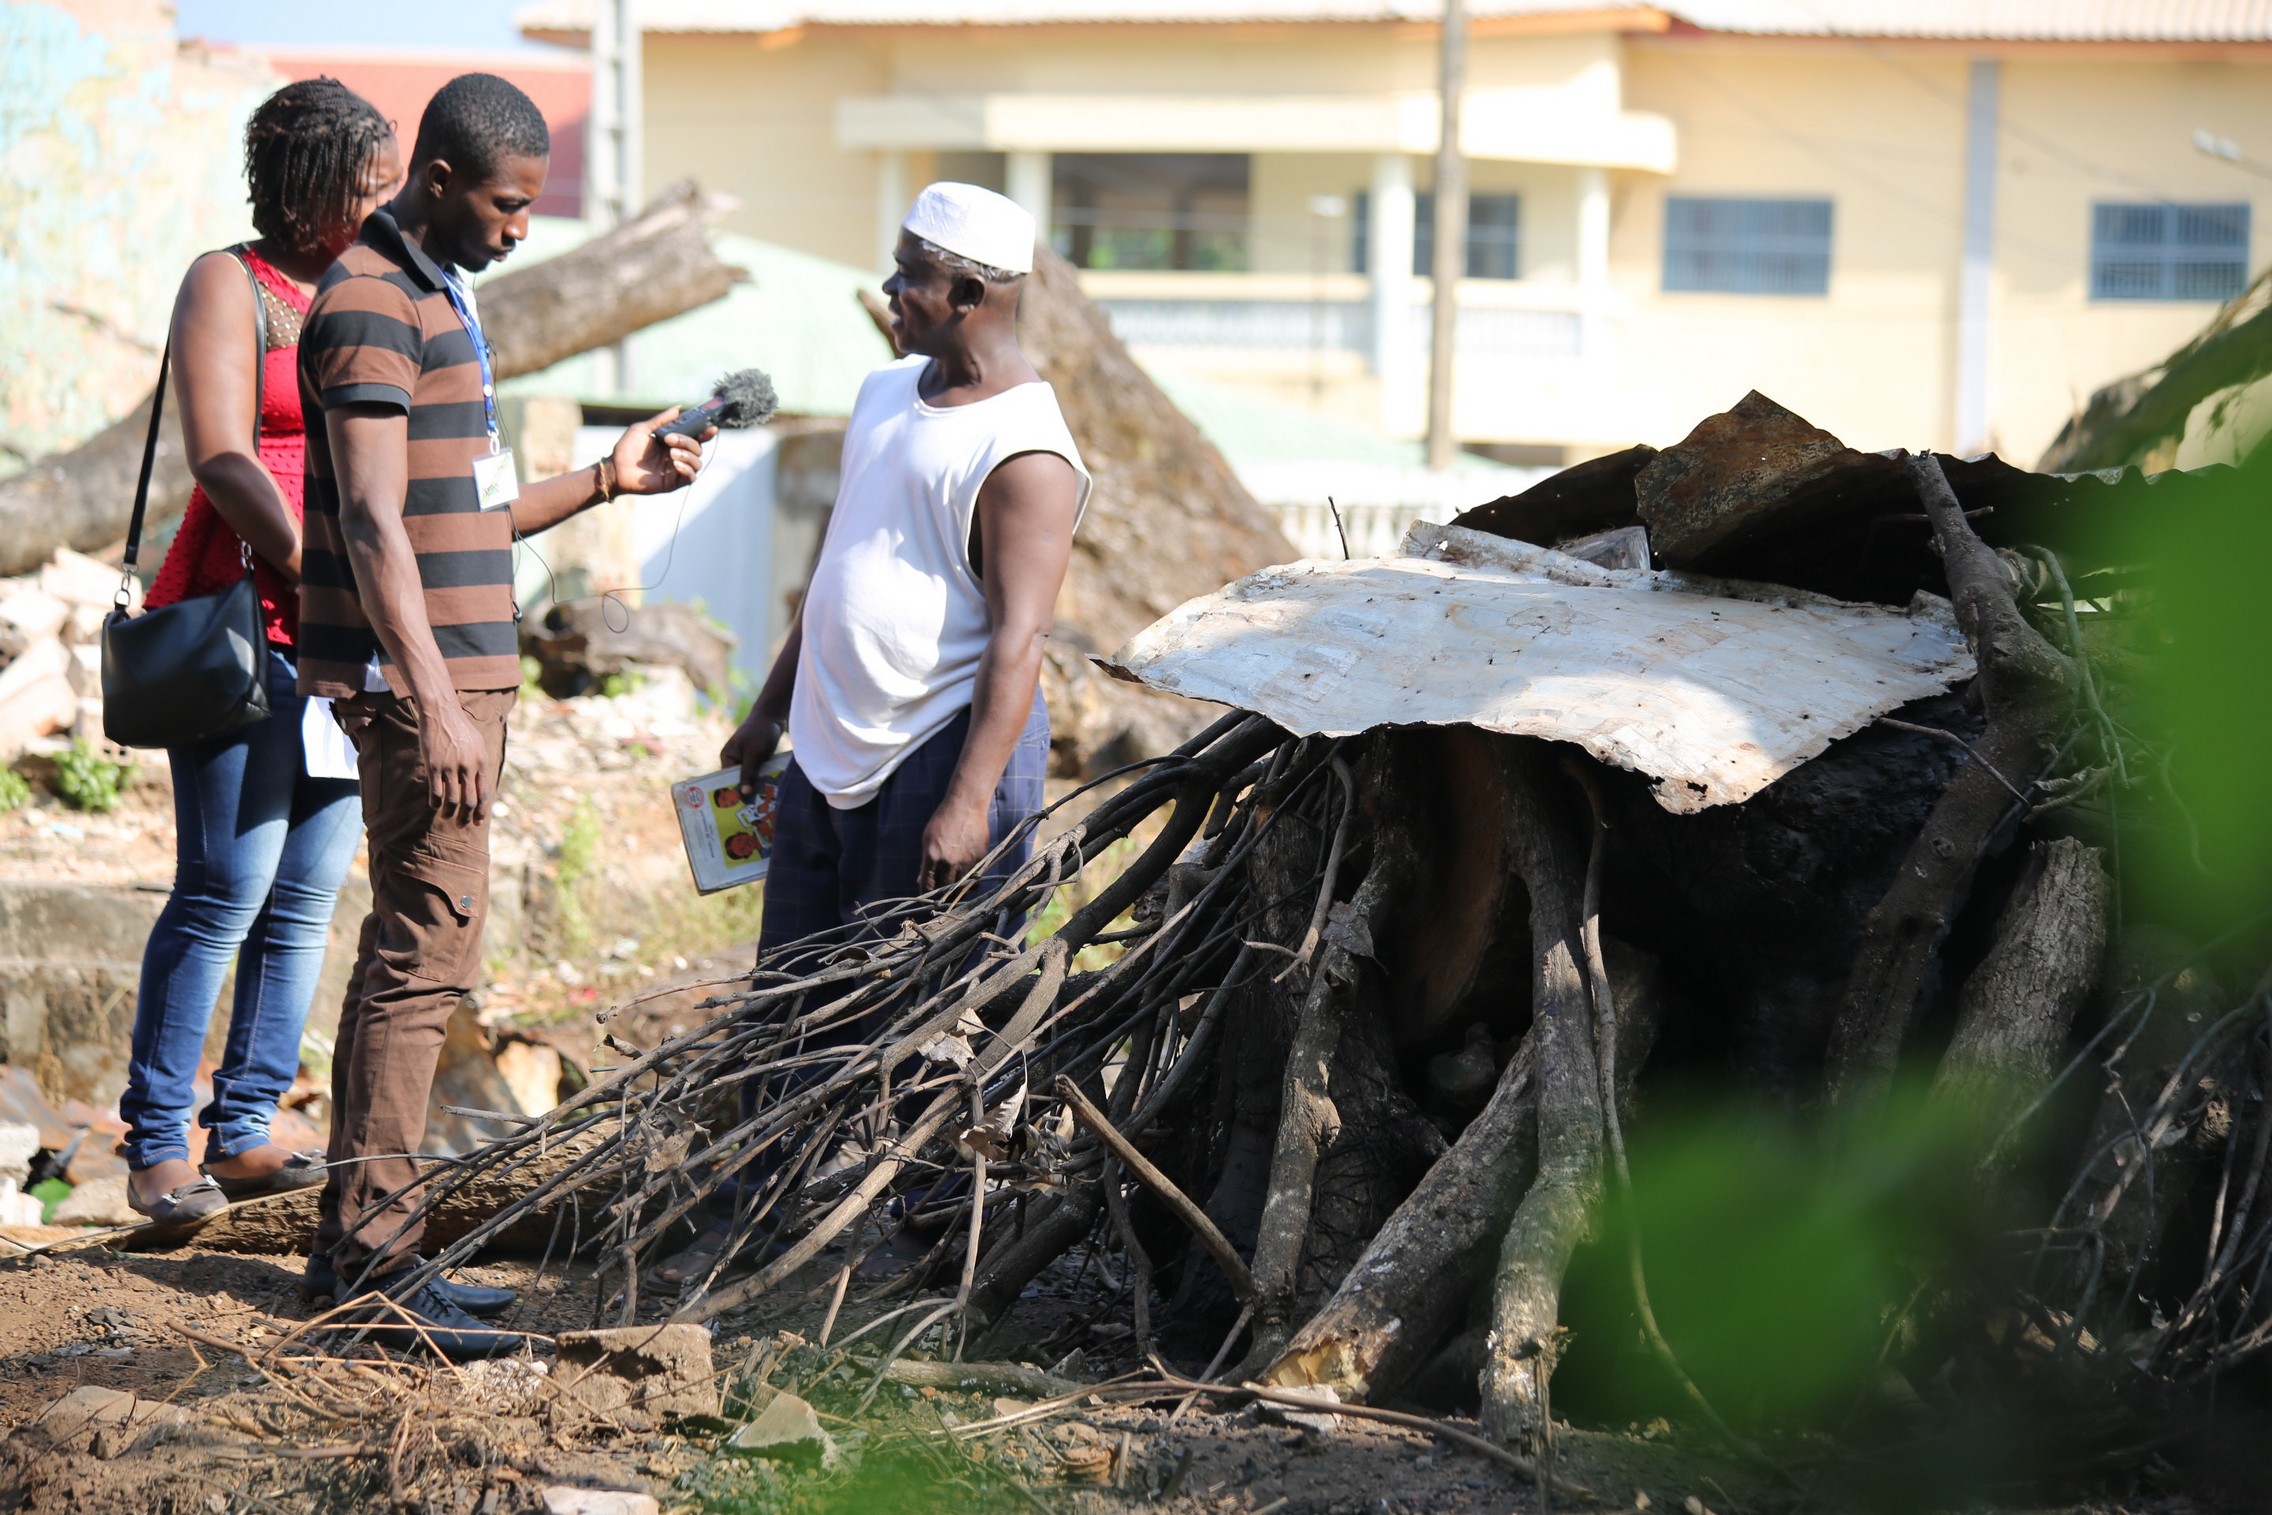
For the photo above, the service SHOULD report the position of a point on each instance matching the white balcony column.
(1593, 258)
(891, 202)
(1388, 237)
(1975, 274)
(1027, 182)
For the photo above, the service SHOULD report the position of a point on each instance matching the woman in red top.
(261, 844)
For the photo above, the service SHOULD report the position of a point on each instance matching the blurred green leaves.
(2201, 692)
(1778, 1262)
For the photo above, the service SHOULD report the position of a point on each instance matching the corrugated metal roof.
(548, 16)
(1990, 20)
(1981, 20)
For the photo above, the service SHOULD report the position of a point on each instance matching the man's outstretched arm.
(641, 463)
(1027, 509)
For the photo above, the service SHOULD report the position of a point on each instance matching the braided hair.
(306, 149)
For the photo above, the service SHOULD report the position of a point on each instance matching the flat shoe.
(302, 1170)
(192, 1201)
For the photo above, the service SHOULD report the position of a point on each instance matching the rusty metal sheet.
(1713, 689)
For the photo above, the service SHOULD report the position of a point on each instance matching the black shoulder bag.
(198, 668)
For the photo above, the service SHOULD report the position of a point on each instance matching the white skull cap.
(975, 223)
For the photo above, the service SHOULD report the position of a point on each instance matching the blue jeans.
(260, 849)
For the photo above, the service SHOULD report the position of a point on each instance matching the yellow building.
(1913, 221)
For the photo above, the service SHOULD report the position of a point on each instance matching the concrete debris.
(531, 1070)
(511, 1385)
(19, 1144)
(1713, 689)
(787, 1430)
(664, 1370)
(108, 1423)
(79, 581)
(29, 615)
(560, 1499)
(1316, 1422)
(36, 697)
(18, 1209)
(100, 1203)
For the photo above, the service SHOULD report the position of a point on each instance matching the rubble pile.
(1757, 764)
(51, 671)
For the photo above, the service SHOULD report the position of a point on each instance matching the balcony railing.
(1272, 313)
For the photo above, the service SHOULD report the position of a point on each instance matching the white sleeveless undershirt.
(895, 618)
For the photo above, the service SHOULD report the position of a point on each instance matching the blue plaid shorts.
(832, 868)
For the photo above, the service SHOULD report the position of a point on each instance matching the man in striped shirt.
(407, 622)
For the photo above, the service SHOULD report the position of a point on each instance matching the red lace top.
(204, 557)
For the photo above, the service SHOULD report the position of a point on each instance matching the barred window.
(1747, 246)
(2166, 251)
(1494, 235)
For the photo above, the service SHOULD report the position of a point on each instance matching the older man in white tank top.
(910, 686)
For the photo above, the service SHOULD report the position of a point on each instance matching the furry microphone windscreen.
(749, 397)
(736, 401)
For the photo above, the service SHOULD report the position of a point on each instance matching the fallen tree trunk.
(649, 269)
(2027, 688)
(284, 1225)
(643, 271)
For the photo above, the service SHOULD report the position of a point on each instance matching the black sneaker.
(320, 1283)
(424, 1319)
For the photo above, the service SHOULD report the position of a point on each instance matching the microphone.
(738, 400)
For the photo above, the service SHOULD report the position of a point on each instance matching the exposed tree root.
(2028, 688)
(1560, 1209)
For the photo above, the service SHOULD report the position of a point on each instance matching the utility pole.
(612, 147)
(1450, 262)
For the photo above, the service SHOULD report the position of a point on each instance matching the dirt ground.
(234, 1412)
(303, 1432)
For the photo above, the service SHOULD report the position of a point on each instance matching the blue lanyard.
(480, 353)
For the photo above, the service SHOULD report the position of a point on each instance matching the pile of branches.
(1342, 1062)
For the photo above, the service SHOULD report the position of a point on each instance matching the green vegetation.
(50, 1192)
(893, 1480)
(86, 780)
(15, 789)
(622, 682)
(577, 876)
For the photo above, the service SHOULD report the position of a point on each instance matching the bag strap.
(157, 410)
(259, 335)
(142, 484)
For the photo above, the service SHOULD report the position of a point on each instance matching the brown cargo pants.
(420, 955)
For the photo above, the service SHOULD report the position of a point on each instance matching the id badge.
(495, 480)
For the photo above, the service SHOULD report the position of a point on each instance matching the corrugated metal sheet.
(1713, 689)
(1986, 20)
(549, 16)
(1981, 20)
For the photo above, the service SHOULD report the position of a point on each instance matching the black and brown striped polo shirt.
(382, 331)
